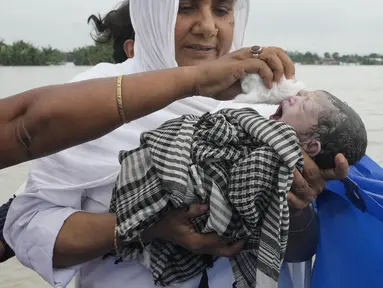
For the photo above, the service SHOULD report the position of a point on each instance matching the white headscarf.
(154, 21)
(154, 48)
(96, 163)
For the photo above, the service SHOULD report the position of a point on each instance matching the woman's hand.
(307, 186)
(177, 228)
(220, 78)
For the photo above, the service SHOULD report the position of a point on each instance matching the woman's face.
(196, 35)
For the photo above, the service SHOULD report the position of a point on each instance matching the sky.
(344, 26)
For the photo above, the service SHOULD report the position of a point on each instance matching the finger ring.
(256, 50)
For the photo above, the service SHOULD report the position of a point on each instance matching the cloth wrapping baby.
(239, 163)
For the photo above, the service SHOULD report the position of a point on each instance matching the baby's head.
(325, 127)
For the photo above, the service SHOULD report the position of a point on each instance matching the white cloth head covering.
(154, 31)
(95, 163)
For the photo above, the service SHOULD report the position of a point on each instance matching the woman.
(64, 218)
(61, 113)
(36, 124)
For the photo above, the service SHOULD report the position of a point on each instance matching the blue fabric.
(368, 176)
(350, 212)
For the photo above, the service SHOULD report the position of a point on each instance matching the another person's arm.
(48, 119)
(42, 121)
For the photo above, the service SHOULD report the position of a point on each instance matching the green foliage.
(91, 55)
(25, 54)
(306, 58)
(335, 58)
(22, 53)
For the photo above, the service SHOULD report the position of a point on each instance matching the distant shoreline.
(21, 53)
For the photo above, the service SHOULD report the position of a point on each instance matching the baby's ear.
(312, 147)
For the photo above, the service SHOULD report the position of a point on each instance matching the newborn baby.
(325, 126)
(241, 165)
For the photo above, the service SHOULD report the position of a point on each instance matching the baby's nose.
(292, 100)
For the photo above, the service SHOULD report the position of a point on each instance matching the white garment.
(254, 91)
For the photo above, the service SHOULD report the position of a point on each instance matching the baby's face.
(302, 111)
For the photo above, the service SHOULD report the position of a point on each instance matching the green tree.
(91, 55)
(374, 55)
(23, 53)
(335, 56)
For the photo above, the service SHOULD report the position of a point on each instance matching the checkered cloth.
(235, 160)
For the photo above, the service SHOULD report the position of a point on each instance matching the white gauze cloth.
(255, 92)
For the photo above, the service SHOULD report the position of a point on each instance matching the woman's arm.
(45, 120)
(303, 235)
(85, 236)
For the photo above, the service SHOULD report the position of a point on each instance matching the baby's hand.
(307, 186)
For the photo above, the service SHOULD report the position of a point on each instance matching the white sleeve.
(33, 223)
(55, 189)
(37, 215)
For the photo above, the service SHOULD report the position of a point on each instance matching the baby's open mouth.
(278, 114)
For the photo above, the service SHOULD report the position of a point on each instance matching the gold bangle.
(120, 104)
